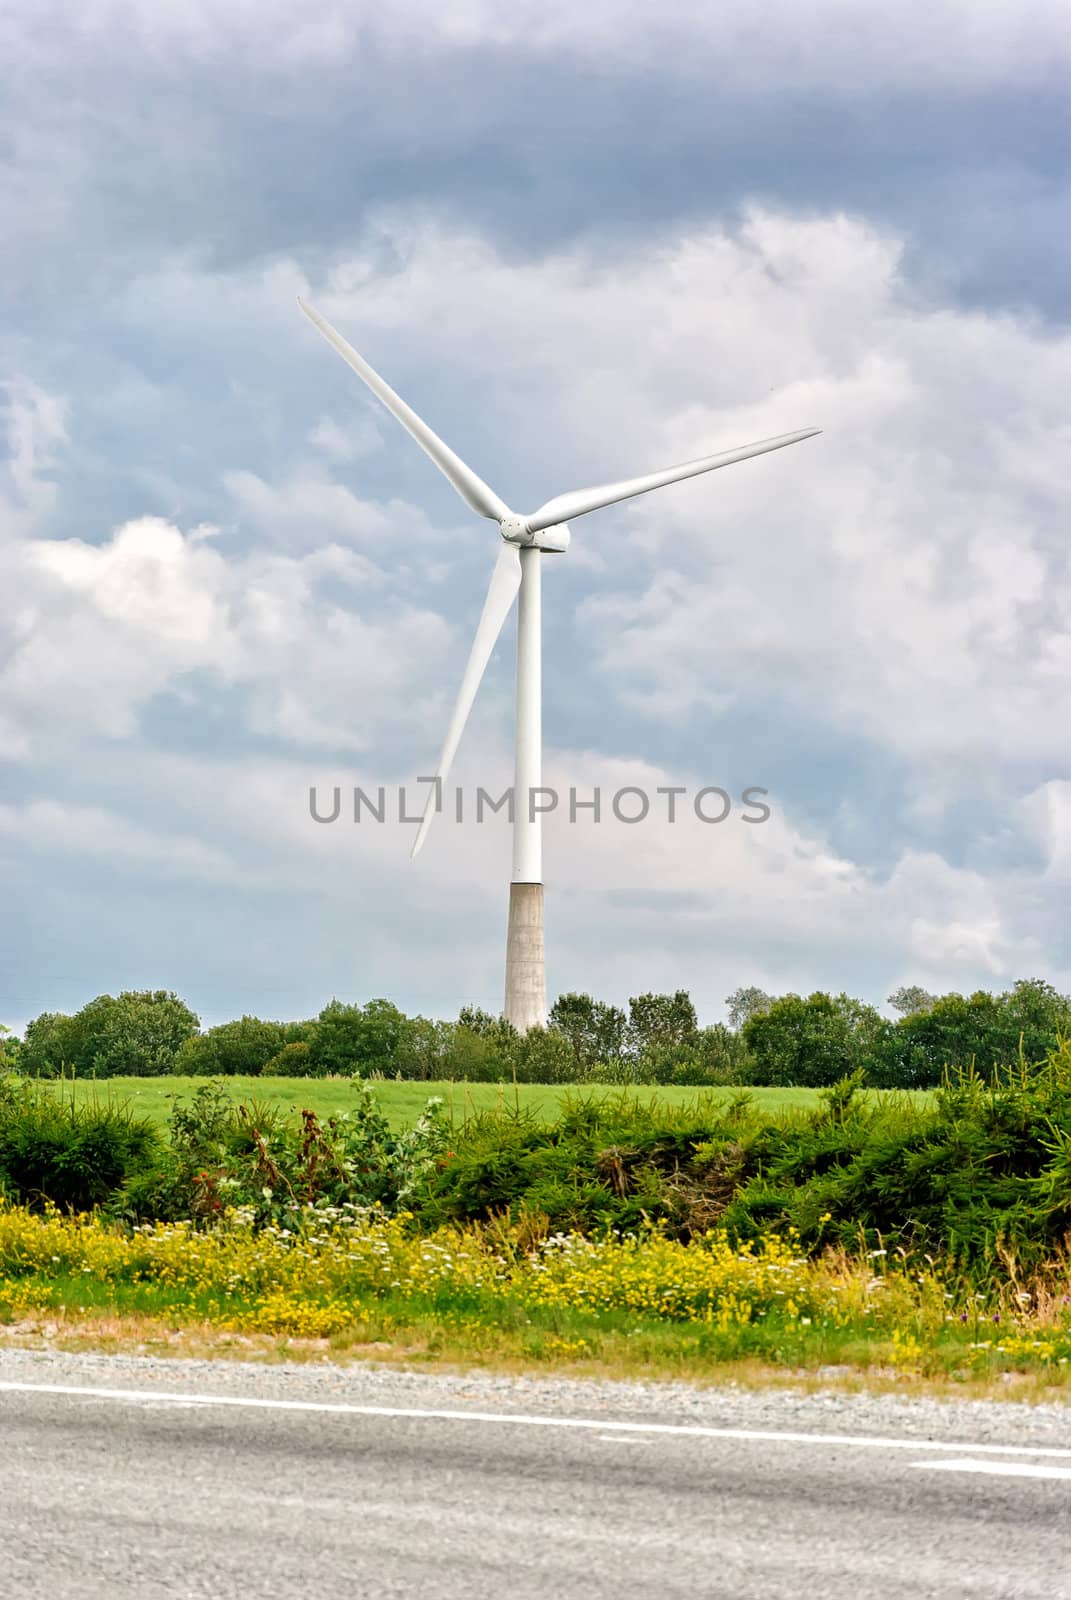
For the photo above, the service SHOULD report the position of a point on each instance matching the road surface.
(186, 1479)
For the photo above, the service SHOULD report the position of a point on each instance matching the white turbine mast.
(524, 539)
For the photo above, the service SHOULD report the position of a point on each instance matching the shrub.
(74, 1156)
(602, 1164)
(622, 1072)
(222, 1155)
(984, 1168)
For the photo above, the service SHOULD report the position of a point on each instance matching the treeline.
(786, 1040)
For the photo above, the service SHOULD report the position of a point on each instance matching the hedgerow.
(985, 1167)
(980, 1172)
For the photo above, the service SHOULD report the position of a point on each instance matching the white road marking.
(510, 1419)
(1000, 1469)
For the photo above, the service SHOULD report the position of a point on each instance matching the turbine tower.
(517, 571)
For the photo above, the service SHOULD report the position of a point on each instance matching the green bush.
(984, 1167)
(980, 1169)
(220, 1154)
(602, 1163)
(74, 1156)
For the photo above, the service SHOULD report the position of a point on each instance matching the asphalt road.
(182, 1481)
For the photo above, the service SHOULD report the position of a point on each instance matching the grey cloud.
(128, 144)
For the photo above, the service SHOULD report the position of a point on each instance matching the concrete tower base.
(526, 984)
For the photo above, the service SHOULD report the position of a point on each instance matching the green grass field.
(403, 1102)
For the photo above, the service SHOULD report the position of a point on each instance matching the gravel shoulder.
(965, 1421)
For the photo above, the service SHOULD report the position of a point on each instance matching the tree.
(362, 1039)
(911, 998)
(714, 1055)
(982, 1031)
(49, 1046)
(595, 1032)
(232, 1048)
(660, 1021)
(9, 1050)
(423, 1049)
(813, 1042)
(485, 1023)
(481, 1047)
(1040, 1012)
(544, 1055)
(746, 1002)
(291, 1062)
(300, 1032)
(137, 1033)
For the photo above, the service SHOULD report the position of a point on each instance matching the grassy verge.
(403, 1102)
(355, 1285)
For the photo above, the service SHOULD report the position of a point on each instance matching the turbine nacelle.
(554, 540)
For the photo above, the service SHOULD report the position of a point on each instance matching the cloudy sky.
(585, 242)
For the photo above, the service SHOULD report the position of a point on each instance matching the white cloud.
(53, 828)
(99, 630)
(1046, 816)
(35, 426)
(309, 507)
(360, 437)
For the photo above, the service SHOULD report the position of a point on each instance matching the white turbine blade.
(564, 507)
(501, 593)
(469, 486)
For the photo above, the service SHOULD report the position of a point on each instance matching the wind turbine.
(517, 571)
